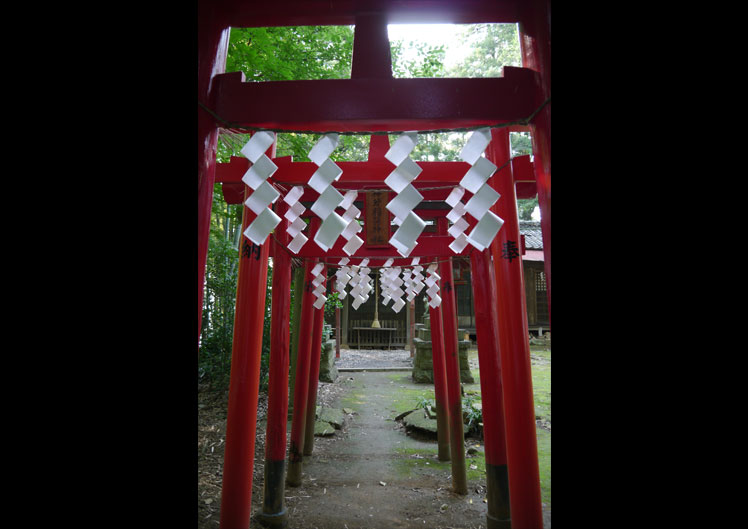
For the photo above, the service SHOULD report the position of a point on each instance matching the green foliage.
(471, 415)
(265, 358)
(332, 303)
(425, 402)
(320, 52)
(493, 47)
(219, 296)
(289, 53)
(428, 60)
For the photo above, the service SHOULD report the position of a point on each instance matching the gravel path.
(373, 358)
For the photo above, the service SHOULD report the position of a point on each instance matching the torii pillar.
(535, 45)
(213, 43)
(246, 351)
(514, 348)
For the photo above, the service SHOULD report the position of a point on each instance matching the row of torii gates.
(373, 102)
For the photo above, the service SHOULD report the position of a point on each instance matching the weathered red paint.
(344, 12)
(301, 387)
(521, 440)
(213, 37)
(441, 395)
(352, 105)
(452, 365)
(279, 345)
(319, 321)
(491, 386)
(535, 45)
(244, 382)
(487, 337)
(273, 507)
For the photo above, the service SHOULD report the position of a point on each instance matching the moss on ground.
(544, 464)
(414, 459)
(407, 395)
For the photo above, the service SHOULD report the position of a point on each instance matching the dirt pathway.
(373, 475)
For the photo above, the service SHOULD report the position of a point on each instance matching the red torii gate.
(356, 105)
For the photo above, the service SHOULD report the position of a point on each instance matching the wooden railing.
(374, 338)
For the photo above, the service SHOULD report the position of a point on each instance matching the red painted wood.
(313, 384)
(487, 337)
(244, 382)
(438, 361)
(521, 440)
(360, 105)
(343, 12)
(371, 47)
(301, 387)
(452, 369)
(280, 325)
(214, 38)
(535, 45)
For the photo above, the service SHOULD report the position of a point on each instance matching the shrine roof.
(533, 234)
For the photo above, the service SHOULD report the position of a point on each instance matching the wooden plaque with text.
(377, 219)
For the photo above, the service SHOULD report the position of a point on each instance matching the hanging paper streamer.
(484, 196)
(409, 224)
(417, 277)
(329, 197)
(455, 216)
(361, 284)
(319, 288)
(342, 277)
(350, 215)
(384, 281)
(333, 225)
(391, 283)
(293, 215)
(412, 280)
(263, 194)
(432, 281)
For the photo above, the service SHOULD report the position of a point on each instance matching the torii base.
(423, 366)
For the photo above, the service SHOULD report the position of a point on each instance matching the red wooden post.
(371, 47)
(514, 347)
(273, 509)
(319, 321)
(535, 45)
(238, 462)
(452, 364)
(301, 386)
(213, 39)
(440, 381)
(412, 330)
(487, 335)
(337, 332)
